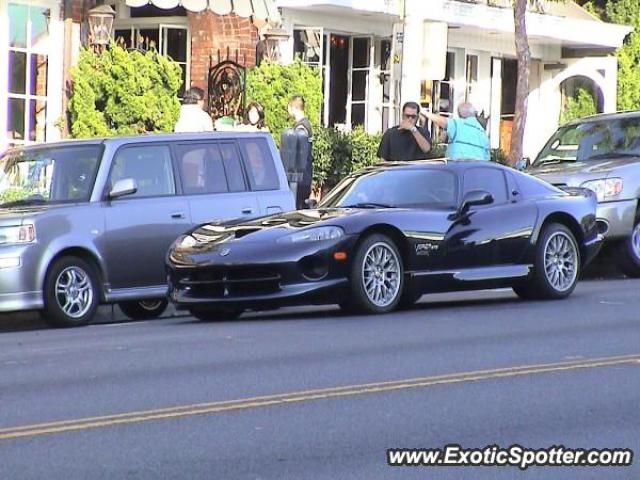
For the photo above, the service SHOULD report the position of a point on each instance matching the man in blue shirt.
(466, 137)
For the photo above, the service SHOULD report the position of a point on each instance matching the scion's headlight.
(314, 235)
(605, 188)
(17, 234)
(186, 241)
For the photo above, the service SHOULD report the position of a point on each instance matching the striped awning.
(260, 10)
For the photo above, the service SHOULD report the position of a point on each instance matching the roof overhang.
(564, 31)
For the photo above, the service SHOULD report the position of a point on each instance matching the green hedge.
(120, 92)
(272, 85)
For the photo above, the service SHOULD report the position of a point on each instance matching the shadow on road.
(601, 269)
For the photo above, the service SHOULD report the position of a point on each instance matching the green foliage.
(627, 12)
(121, 92)
(578, 106)
(272, 85)
(337, 154)
(12, 194)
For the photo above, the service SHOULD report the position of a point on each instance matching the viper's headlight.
(314, 235)
(17, 234)
(186, 241)
(605, 188)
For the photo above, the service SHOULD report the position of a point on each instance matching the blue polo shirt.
(467, 139)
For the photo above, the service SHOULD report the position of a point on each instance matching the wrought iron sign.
(226, 88)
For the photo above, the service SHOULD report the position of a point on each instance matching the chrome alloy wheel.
(381, 274)
(635, 240)
(74, 292)
(560, 261)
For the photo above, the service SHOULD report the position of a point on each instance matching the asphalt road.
(281, 396)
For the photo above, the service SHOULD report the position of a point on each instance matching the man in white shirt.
(193, 118)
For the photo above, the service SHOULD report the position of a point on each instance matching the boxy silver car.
(89, 222)
(602, 152)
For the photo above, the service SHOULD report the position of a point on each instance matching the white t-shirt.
(193, 119)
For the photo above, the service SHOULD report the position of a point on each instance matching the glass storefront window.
(28, 73)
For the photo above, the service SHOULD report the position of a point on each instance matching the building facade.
(373, 55)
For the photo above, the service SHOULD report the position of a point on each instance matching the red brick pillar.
(211, 33)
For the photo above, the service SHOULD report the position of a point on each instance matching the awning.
(260, 10)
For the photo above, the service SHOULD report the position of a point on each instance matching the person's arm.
(421, 137)
(438, 120)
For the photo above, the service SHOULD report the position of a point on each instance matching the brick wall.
(210, 33)
(77, 9)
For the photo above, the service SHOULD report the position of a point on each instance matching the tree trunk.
(522, 90)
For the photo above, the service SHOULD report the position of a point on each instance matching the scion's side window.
(201, 169)
(233, 167)
(150, 167)
(259, 164)
(207, 168)
(489, 179)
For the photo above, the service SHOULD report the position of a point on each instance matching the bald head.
(466, 110)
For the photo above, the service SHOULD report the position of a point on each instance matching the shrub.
(580, 105)
(272, 84)
(122, 92)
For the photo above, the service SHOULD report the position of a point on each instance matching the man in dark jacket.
(407, 141)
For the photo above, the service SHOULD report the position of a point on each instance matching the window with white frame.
(166, 31)
(360, 69)
(28, 67)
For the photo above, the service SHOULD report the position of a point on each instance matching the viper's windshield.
(395, 187)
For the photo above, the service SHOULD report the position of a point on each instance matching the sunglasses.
(412, 117)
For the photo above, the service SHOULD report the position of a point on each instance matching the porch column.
(4, 67)
(412, 53)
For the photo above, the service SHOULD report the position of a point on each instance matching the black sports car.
(388, 234)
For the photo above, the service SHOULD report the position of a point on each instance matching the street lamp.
(100, 21)
(272, 39)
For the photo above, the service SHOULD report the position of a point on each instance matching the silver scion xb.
(602, 153)
(90, 222)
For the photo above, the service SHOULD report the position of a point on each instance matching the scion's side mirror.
(311, 203)
(473, 199)
(124, 187)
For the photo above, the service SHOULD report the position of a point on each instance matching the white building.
(377, 54)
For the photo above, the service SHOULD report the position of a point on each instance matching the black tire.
(144, 309)
(359, 300)
(627, 253)
(540, 286)
(77, 304)
(215, 314)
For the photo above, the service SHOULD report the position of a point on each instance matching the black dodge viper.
(388, 234)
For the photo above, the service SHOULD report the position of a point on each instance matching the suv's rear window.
(258, 162)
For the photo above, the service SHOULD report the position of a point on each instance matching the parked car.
(602, 152)
(388, 234)
(89, 222)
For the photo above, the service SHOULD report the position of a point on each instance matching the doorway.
(508, 102)
(339, 79)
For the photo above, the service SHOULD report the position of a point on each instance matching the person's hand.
(407, 124)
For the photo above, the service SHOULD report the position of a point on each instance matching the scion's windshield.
(593, 141)
(48, 175)
(415, 187)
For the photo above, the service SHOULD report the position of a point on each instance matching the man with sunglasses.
(407, 141)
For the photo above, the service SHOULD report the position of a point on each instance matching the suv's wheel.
(144, 309)
(627, 253)
(557, 265)
(71, 293)
(215, 314)
(377, 276)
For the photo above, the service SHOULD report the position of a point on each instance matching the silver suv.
(90, 222)
(602, 153)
